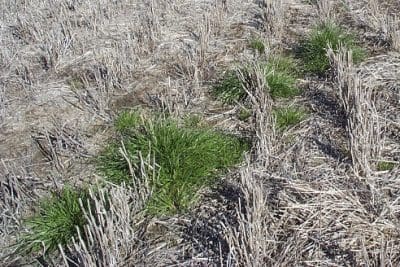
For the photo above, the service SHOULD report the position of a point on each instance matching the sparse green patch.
(192, 120)
(257, 45)
(284, 64)
(314, 49)
(188, 158)
(230, 88)
(244, 114)
(280, 74)
(282, 85)
(126, 120)
(76, 83)
(385, 166)
(288, 116)
(56, 222)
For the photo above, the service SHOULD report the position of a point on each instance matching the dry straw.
(363, 124)
(257, 90)
(273, 16)
(112, 234)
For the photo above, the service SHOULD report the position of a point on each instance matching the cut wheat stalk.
(111, 237)
(250, 242)
(384, 22)
(363, 124)
(256, 88)
(393, 31)
(325, 11)
(273, 15)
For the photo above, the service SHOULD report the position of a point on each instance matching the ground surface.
(67, 67)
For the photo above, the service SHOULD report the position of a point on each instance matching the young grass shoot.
(313, 50)
(56, 222)
(187, 158)
(280, 74)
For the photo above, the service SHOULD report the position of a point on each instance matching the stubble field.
(199, 133)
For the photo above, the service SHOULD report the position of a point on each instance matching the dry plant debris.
(322, 192)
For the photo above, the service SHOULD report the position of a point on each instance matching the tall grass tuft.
(280, 75)
(229, 89)
(187, 158)
(314, 49)
(56, 222)
(288, 116)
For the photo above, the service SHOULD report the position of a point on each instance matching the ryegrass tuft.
(56, 222)
(280, 74)
(126, 120)
(288, 116)
(244, 114)
(314, 48)
(385, 166)
(187, 158)
(257, 45)
(229, 89)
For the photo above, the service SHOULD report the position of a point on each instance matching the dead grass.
(67, 67)
(363, 124)
(381, 18)
(112, 235)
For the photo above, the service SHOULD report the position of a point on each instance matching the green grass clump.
(244, 114)
(230, 88)
(56, 222)
(193, 120)
(188, 158)
(314, 49)
(125, 120)
(385, 166)
(280, 74)
(257, 45)
(288, 116)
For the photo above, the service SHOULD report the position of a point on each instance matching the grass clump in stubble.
(385, 166)
(257, 45)
(230, 88)
(313, 50)
(244, 113)
(288, 116)
(280, 74)
(56, 222)
(187, 158)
